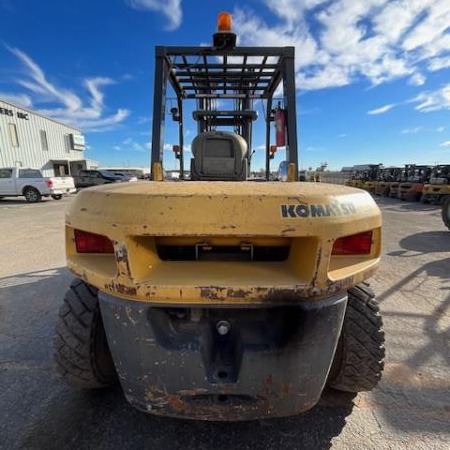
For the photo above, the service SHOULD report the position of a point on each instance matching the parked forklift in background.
(350, 181)
(370, 177)
(439, 185)
(400, 177)
(416, 176)
(386, 176)
(218, 298)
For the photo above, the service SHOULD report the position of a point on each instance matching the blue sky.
(373, 76)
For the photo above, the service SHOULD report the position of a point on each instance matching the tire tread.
(79, 316)
(358, 362)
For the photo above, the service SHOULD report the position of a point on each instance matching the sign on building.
(78, 142)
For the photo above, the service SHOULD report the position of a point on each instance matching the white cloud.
(143, 120)
(411, 130)
(375, 40)
(19, 99)
(417, 80)
(429, 101)
(93, 86)
(253, 31)
(439, 64)
(37, 83)
(292, 10)
(97, 125)
(131, 144)
(329, 76)
(311, 149)
(445, 144)
(67, 106)
(381, 110)
(440, 129)
(396, 18)
(343, 28)
(171, 9)
(433, 20)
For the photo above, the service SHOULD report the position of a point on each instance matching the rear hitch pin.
(223, 327)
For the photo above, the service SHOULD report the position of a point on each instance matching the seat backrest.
(219, 155)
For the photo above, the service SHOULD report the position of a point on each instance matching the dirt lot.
(409, 410)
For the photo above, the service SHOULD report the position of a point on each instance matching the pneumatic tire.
(57, 196)
(81, 350)
(446, 211)
(358, 362)
(32, 195)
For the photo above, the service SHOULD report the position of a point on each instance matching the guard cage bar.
(241, 73)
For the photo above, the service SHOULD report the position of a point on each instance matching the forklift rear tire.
(80, 347)
(358, 362)
(446, 211)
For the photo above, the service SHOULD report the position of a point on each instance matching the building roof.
(15, 105)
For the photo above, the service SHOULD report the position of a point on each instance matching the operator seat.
(219, 156)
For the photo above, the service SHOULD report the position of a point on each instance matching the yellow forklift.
(386, 176)
(416, 177)
(215, 297)
(400, 177)
(351, 180)
(370, 177)
(438, 186)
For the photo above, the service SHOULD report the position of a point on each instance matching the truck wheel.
(446, 211)
(57, 197)
(358, 361)
(80, 347)
(32, 195)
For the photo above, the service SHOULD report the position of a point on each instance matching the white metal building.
(29, 139)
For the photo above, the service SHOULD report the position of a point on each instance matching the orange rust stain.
(175, 402)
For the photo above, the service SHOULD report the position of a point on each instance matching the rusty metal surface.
(409, 410)
(274, 362)
(308, 216)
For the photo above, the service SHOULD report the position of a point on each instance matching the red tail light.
(49, 183)
(356, 244)
(92, 243)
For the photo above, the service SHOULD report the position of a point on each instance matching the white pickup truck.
(17, 181)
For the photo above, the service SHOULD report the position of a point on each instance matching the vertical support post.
(159, 107)
(181, 136)
(246, 127)
(268, 124)
(290, 106)
(201, 123)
